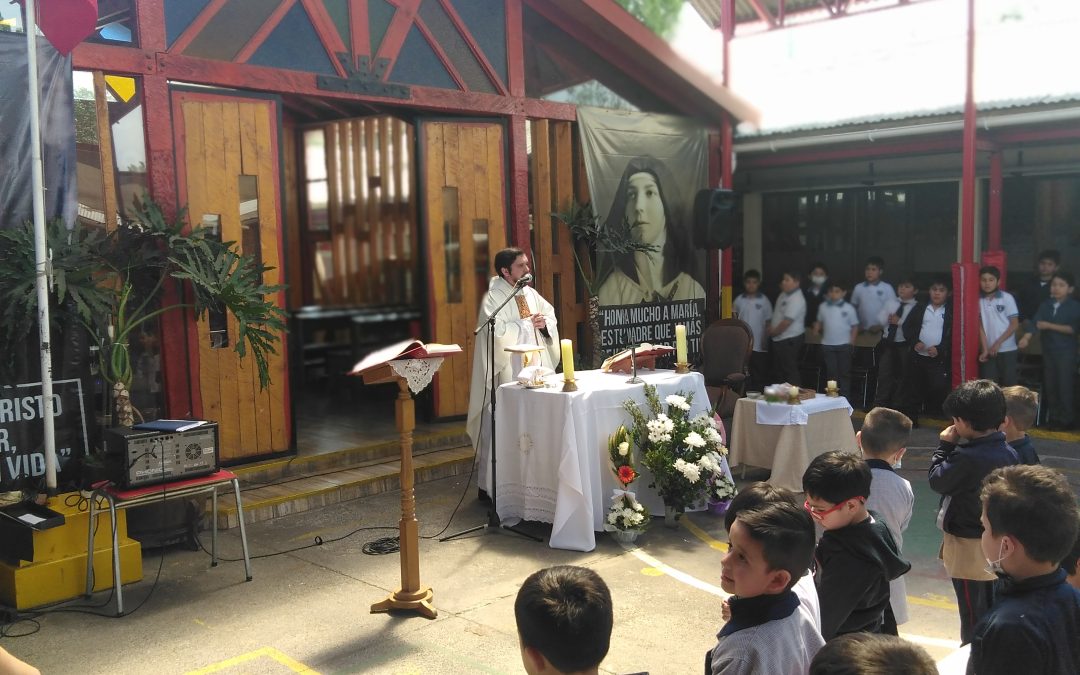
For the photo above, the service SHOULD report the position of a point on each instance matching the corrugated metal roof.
(744, 10)
(904, 116)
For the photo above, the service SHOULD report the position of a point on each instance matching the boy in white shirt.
(838, 324)
(896, 346)
(997, 329)
(752, 307)
(788, 329)
(870, 296)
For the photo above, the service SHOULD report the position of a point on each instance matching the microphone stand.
(493, 523)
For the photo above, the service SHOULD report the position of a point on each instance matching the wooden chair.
(725, 362)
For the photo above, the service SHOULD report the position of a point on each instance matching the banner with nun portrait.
(643, 171)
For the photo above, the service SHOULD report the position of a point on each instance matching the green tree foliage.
(659, 15)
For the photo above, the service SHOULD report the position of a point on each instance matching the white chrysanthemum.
(708, 463)
(692, 472)
(676, 401)
(713, 436)
(638, 507)
(635, 518)
(667, 422)
(613, 517)
(694, 440)
(624, 448)
(627, 514)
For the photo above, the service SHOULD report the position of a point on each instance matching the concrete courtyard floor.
(308, 610)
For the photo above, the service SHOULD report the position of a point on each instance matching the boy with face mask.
(1034, 626)
(967, 452)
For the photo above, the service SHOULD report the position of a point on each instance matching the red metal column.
(727, 31)
(965, 272)
(518, 203)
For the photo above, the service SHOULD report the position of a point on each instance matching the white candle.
(793, 392)
(831, 384)
(680, 343)
(567, 359)
(770, 391)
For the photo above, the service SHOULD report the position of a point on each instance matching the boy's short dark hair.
(751, 274)
(1050, 254)
(1068, 563)
(990, 269)
(1035, 505)
(565, 613)
(506, 257)
(941, 280)
(835, 283)
(876, 261)
(1021, 405)
(794, 274)
(837, 477)
(754, 495)
(821, 265)
(871, 654)
(907, 280)
(1067, 277)
(786, 533)
(980, 403)
(884, 431)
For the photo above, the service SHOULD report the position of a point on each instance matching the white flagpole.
(41, 253)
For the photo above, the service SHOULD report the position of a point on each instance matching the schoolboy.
(968, 450)
(564, 620)
(929, 325)
(883, 440)
(1029, 520)
(997, 329)
(1070, 564)
(1037, 288)
(1057, 322)
(838, 325)
(856, 556)
(1021, 409)
(869, 654)
(770, 549)
(788, 329)
(870, 296)
(754, 496)
(814, 291)
(895, 351)
(752, 307)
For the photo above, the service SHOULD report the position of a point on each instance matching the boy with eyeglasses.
(856, 556)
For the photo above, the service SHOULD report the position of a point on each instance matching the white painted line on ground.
(679, 575)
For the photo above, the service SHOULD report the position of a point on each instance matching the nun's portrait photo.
(649, 202)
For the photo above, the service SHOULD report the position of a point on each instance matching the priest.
(526, 319)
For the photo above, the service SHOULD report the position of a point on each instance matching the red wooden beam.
(474, 47)
(359, 28)
(114, 59)
(519, 185)
(327, 32)
(260, 35)
(515, 48)
(811, 156)
(192, 31)
(397, 31)
(761, 11)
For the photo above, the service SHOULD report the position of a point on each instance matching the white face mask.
(994, 566)
(817, 280)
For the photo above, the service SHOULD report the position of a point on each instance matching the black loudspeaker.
(714, 218)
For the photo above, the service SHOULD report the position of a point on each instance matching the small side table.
(118, 499)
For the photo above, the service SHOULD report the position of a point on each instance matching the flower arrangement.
(626, 513)
(685, 454)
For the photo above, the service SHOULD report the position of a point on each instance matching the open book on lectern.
(406, 349)
(644, 353)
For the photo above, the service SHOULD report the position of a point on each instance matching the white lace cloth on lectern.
(417, 372)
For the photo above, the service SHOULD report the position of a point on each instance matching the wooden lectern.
(411, 376)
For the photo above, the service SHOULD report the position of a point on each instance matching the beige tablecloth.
(787, 450)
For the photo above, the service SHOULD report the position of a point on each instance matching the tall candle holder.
(569, 384)
(634, 379)
(682, 368)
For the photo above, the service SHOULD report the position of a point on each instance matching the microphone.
(525, 279)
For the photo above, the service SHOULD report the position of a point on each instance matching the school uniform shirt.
(766, 634)
(836, 322)
(790, 306)
(1067, 313)
(892, 307)
(933, 328)
(756, 311)
(892, 498)
(869, 299)
(996, 311)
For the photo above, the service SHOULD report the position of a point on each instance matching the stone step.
(302, 492)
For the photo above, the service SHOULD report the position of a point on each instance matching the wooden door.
(228, 171)
(465, 225)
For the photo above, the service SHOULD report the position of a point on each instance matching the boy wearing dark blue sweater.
(1057, 322)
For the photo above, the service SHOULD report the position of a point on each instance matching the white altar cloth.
(785, 413)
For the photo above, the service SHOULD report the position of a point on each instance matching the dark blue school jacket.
(957, 472)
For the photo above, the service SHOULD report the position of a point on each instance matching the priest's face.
(519, 269)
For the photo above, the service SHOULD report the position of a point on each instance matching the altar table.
(759, 439)
(551, 456)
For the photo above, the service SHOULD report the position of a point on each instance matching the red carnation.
(627, 475)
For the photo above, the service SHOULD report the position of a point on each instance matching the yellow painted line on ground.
(703, 535)
(931, 641)
(267, 652)
(933, 602)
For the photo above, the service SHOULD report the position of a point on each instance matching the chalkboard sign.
(22, 431)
